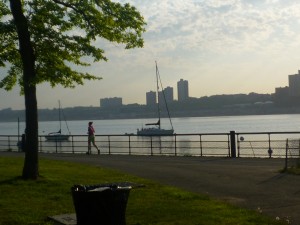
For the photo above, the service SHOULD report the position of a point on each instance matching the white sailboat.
(58, 136)
(155, 128)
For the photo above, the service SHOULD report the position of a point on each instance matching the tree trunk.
(31, 168)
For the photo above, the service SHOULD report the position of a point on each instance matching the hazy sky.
(219, 46)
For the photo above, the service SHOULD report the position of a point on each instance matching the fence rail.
(207, 144)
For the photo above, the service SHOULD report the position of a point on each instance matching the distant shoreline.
(96, 113)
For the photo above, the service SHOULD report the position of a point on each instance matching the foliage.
(31, 202)
(42, 41)
(64, 36)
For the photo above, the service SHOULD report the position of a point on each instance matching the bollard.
(232, 144)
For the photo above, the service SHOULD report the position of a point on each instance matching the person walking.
(91, 138)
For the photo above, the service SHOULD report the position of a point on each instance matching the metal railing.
(207, 144)
(292, 153)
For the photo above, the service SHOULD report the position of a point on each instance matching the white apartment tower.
(183, 90)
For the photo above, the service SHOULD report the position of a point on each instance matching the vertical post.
(108, 145)
(232, 144)
(40, 143)
(299, 149)
(286, 154)
(19, 135)
(56, 145)
(9, 149)
(228, 143)
(129, 145)
(238, 144)
(270, 151)
(73, 151)
(201, 151)
(175, 145)
(151, 145)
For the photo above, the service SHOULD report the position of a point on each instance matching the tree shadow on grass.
(11, 180)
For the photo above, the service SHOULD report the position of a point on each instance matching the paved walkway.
(252, 183)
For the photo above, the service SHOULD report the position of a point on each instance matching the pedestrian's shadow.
(276, 177)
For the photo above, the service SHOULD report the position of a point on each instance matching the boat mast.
(164, 97)
(157, 90)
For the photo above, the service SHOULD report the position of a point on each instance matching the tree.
(42, 41)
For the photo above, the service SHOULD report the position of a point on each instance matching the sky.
(218, 46)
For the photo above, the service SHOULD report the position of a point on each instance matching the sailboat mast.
(157, 90)
(163, 95)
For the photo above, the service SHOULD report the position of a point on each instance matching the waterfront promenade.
(252, 183)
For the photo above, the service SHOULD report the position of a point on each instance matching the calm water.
(221, 124)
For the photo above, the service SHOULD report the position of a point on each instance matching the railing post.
(175, 144)
(201, 150)
(108, 145)
(238, 144)
(73, 151)
(129, 144)
(151, 145)
(9, 143)
(55, 145)
(40, 144)
(232, 144)
(299, 149)
(286, 154)
(270, 151)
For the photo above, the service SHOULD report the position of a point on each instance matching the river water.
(219, 124)
(213, 142)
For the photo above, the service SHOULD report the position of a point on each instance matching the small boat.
(155, 129)
(58, 136)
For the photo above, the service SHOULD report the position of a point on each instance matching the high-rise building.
(182, 90)
(294, 85)
(151, 98)
(168, 91)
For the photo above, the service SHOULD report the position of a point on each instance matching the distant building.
(294, 85)
(281, 92)
(182, 90)
(111, 102)
(151, 98)
(169, 94)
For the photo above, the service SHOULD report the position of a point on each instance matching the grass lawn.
(31, 202)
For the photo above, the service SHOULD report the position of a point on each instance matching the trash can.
(100, 204)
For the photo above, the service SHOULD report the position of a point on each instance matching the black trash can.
(100, 204)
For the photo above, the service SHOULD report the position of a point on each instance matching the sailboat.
(155, 129)
(58, 136)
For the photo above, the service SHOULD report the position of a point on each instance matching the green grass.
(292, 170)
(31, 202)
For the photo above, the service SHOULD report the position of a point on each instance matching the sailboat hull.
(154, 132)
(58, 136)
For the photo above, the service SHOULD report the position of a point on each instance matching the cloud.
(214, 25)
(220, 46)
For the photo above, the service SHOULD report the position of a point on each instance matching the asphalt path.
(252, 183)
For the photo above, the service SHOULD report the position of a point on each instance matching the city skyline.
(220, 47)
